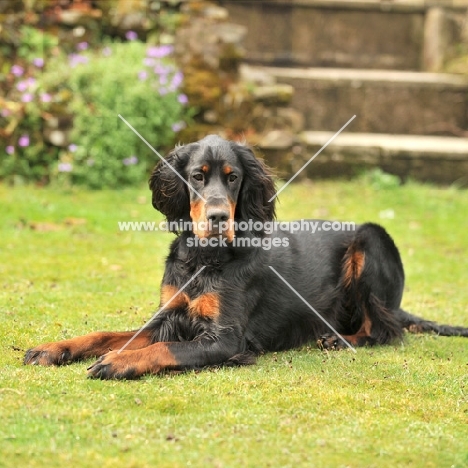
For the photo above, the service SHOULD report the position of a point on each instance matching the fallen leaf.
(74, 221)
(44, 227)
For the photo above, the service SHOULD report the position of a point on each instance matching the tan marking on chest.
(170, 297)
(206, 306)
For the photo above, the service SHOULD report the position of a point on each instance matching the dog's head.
(212, 183)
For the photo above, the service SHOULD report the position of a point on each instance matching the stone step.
(427, 158)
(388, 34)
(384, 101)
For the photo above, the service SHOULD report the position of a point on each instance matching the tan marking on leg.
(165, 357)
(151, 360)
(131, 364)
(352, 266)
(363, 332)
(82, 347)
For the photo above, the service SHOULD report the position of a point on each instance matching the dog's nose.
(217, 215)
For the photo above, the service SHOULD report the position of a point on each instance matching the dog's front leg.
(131, 364)
(83, 347)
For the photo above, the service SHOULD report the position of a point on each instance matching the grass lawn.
(65, 270)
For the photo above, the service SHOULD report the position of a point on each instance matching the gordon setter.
(224, 301)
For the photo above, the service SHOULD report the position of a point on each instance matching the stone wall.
(396, 35)
(229, 99)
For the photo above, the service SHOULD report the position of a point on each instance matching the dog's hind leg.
(372, 282)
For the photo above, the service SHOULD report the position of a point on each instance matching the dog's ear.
(170, 193)
(257, 188)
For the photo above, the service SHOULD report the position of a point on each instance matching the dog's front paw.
(48, 354)
(118, 365)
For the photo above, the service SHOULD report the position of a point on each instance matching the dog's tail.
(419, 325)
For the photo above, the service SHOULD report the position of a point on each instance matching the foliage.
(381, 180)
(78, 97)
(67, 271)
(25, 155)
(35, 43)
(127, 79)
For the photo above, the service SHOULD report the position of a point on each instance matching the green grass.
(396, 406)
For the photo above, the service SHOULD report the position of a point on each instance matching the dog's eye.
(232, 177)
(198, 177)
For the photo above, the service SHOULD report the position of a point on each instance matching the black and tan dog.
(237, 306)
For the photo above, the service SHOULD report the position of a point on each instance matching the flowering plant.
(24, 154)
(139, 82)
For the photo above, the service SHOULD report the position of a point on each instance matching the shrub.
(90, 89)
(380, 180)
(131, 80)
(24, 155)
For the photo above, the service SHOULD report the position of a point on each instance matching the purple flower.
(178, 126)
(22, 86)
(72, 147)
(76, 59)
(106, 51)
(25, 84)
(152, 51)
(38, 62)
(159, 51)
(5, 112)
(161, 70)
(65, 167)
(23, 140)
(131, 161)
(17, 70)
(27, 97)
(163, 79)
(163, 91)
(142, 75)
(182, 98)
(149, 62)
(131, 36)
(177, 79)
(46, 97)
(10, 149)
(82, 46)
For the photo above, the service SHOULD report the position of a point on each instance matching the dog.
(224, 302)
